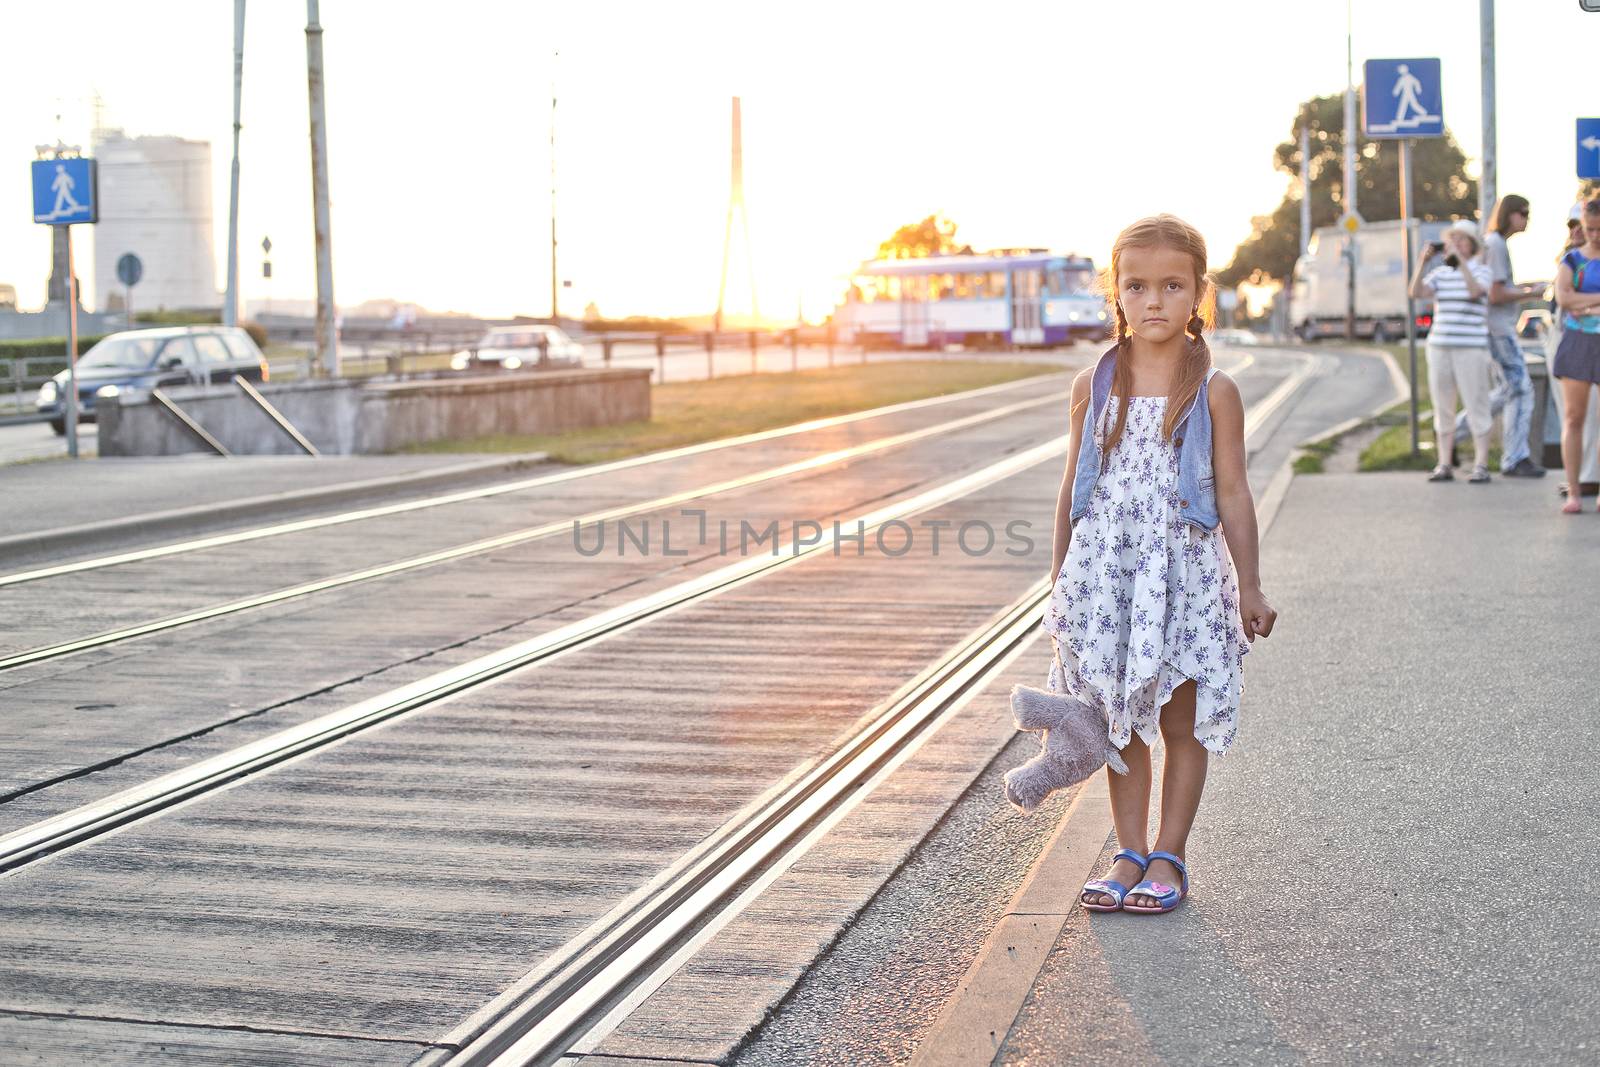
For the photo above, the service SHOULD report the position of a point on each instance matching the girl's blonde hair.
(1162, 231)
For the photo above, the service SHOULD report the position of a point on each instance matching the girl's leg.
(1182, 780)
(1574, 406)
(1130, 814)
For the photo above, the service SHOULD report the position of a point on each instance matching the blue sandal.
(1115, 890)
(1167, 897)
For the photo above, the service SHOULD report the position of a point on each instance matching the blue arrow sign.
(1402, 98)
(64, 191)
(1589, 148)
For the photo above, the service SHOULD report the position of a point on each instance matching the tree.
(933, 236)
(1440, 189)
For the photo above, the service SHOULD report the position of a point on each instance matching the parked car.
(520, 347)
(136, 361)
(1235, 337)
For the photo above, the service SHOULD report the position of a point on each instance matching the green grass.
(1391, 450)
(1311, 457)
(685, 413)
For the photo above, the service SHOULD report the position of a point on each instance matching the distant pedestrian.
(1515, 393)
(1589, 473)
(1458, 344)
(1153, 606)
(1577, 360)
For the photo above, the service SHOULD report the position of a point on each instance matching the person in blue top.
(1577, 360)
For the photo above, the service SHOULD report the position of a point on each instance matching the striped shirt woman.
(1459, 318)
(1458, 345)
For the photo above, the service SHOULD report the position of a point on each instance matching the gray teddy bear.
(1076, 744)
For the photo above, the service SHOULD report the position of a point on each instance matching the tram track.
(117, 635)
(499, 489)
(513, 538)
(572, 995)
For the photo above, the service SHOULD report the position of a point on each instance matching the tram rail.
(500, 489)
(514, 537)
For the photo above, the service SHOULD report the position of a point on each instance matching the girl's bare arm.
(1236, 506)
(1063, 529)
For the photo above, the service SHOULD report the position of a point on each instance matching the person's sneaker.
(1442, 473)
(1524, 468)
(1479, 475)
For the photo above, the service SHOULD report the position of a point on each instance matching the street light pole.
(327, 344)
(230, 303)
(555, 312)
(1305, 181)
(1488, 182)
(1349, 177)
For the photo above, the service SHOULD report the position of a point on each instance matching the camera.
(1435, 247)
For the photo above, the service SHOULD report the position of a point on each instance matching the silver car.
(531, 347)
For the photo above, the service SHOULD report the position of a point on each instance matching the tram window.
(963, 286)
(997, 283)
(946, 287)
(891, 288)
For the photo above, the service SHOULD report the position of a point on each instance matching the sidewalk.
(1394, 862)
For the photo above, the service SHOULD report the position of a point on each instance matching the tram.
(1002, 299)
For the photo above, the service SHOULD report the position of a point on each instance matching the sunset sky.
(1042, 124)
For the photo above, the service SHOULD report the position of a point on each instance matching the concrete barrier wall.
(346, 417)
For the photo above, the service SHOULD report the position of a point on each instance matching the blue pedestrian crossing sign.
(1401, 98)
(64, 191)
(1589, 148)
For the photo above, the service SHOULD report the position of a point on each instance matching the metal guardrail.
(189, 424)
(19, 380)
(276, 416)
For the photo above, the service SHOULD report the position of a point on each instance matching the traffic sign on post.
(1589, 148)
(129, 269)
(64, 194)
(1402, 98)
(64, 191)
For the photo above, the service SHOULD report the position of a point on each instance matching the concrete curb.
(178, 518)
(975, 1022)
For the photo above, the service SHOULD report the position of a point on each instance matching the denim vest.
(1197, 492)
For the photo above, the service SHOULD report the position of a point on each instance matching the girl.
(1577, 361)
(1147, 616)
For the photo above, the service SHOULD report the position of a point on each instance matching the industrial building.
(155, 201)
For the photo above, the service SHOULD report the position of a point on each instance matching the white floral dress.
(1144, 600)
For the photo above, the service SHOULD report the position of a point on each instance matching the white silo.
(155, 201)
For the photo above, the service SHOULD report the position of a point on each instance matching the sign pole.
(72, 351)
(1411, 305)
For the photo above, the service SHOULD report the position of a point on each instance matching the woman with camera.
(1451, 274)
